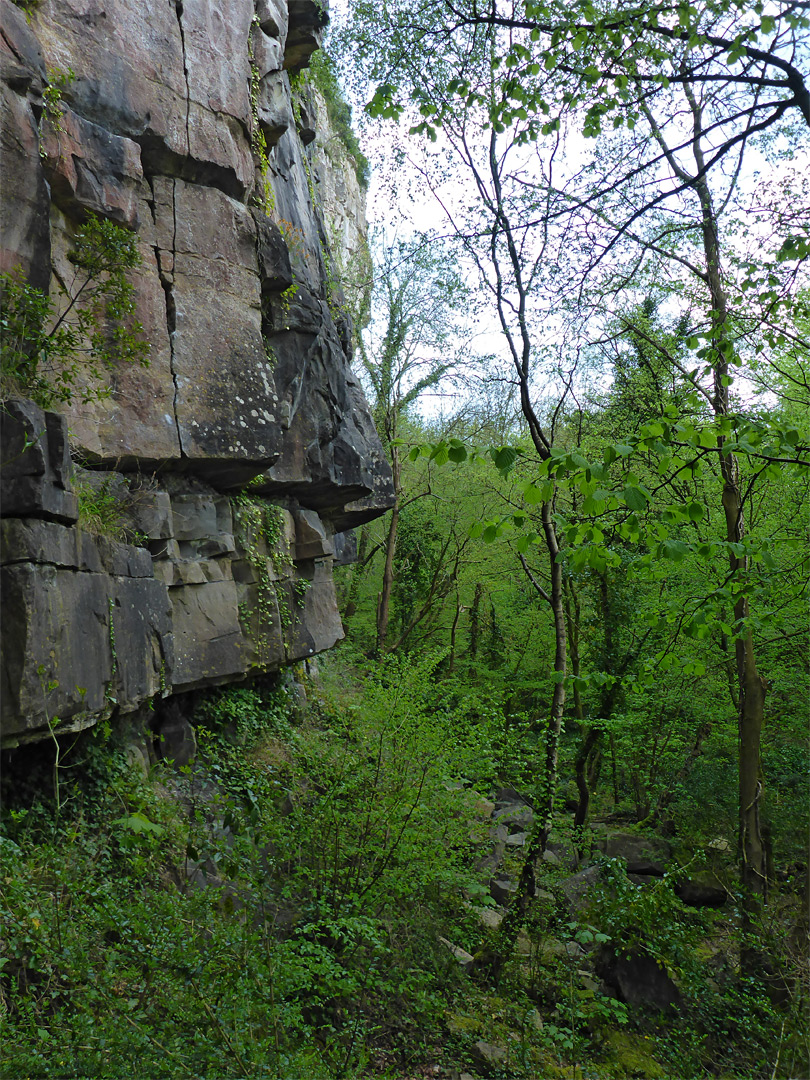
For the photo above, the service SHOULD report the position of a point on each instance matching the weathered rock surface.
(153, 121)
(638, 978)
(643, 854)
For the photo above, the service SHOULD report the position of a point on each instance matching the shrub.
(54, 349)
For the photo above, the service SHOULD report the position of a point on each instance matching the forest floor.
(317, 893)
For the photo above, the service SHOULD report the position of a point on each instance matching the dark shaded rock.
(502, 889)
(24, 218)
(705, 891)
(311, 541)
(274, 256)
(83, 643)
(176, 739)
(517, 818)
(489, 1059)
(643, 854)
(509, 796)
(34, 464)
(578, 888)
(638, 979)
(345, 546)
(307, 20)
(149, 512)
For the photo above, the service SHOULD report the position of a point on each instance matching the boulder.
(643, 854)
(464, 959)
(638, 978)
(705, 890)
(490, 1060)
(502, 889)
(578, 888)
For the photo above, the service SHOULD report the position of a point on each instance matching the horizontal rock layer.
(216, 588)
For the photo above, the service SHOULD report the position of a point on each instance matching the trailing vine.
(265, 198)
(113, 652)
(261, 525)
(53, 108)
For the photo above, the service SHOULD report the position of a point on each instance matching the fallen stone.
(578, 888)
(465, 960)
(489, 1059)
(502, 889)
(704, 891)
(638, 979)
(519, 818)
(643, 854)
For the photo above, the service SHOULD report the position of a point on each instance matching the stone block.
(164, 549)
(311, 540)
(643, 854)
(34, 496)
(134, 427)
(316, 623)
(274, 257)
(89, 168)
(264, 636)
(345, 548)
(37, 541)
(150, 513)
(194, 517)
(308, 18)
(208, 641)
(223, 544)
(273, 18)
(83, 643)
(144, 648)
(58, 661)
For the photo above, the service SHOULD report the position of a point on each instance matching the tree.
(690, 91)
(412, 345)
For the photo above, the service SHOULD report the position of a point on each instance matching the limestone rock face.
(178, 123)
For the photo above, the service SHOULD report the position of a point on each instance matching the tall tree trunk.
(751, 686)
(384, 600)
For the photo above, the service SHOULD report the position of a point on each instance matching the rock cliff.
(240, 456)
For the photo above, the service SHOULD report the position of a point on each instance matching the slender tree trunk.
(384, 601)
(475, 620)
(751, 686)
(357, 573)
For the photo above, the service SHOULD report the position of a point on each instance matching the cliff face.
(178, 122)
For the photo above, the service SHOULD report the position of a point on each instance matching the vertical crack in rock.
(178, 7)
(171, 317)
(166, 278)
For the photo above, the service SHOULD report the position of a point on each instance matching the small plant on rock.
(58, 349)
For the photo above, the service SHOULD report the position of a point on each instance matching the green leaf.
(634, 498)
(504, 458)
(139, 823)
(695, 511)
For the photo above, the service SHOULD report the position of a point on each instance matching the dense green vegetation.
(591, 594)
(278, 909)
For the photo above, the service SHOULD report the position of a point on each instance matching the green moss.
(633, 1054)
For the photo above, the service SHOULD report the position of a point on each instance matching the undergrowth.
(277, 909)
